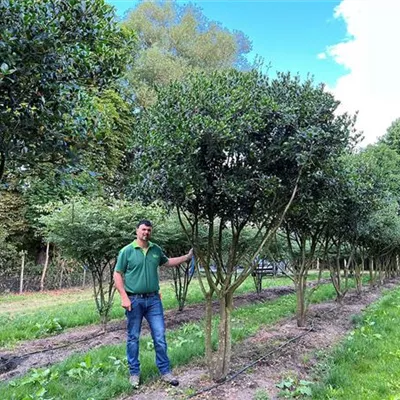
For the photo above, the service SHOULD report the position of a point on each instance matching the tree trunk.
(46, 263)
(346, 273)
(319, 269)
(2, 164)
(222, 358)
(338, 287)
(300, 286)
(358, 276)
(182, 277)
(335, 277)
(208, 331)
(371, 273)
(61, 274)
(84, 278)
(103, 321)
(377, 265)
(21, 279)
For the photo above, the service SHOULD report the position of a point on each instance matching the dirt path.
(43, 352)
(329, 322)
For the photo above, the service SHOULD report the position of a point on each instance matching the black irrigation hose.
(26, 355)
(230, 378)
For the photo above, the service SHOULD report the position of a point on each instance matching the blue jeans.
(150, 308)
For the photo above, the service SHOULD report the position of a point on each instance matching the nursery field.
(161, 123)
(44, 357)
(35, 315)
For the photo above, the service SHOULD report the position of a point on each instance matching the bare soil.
(43, 352)
(280, 351)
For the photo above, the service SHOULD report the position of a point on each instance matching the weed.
(38, 395)
(85, 369)
(261, 394)
(292, 388)
(305, 358)
(356, 319)
(189, 392)
(118, 364)
(49, 326)
(39, 378)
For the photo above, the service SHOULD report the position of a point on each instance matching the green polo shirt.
(140, 267)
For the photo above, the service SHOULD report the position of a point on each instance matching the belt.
(142, 294)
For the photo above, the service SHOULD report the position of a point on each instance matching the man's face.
(144, 232)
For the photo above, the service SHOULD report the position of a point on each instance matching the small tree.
(92, 232)
(304, 226)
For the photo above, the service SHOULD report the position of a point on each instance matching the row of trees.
(160, 116)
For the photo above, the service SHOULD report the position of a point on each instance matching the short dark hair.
(144, 222)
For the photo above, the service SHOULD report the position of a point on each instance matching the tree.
(91, 232)
(304, 226)
(379, 168)
(55, 55)
(392, 136)
(99, 172)
(228, 150)
(175, 40)
(312, 112)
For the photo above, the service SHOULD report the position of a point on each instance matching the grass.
(367, 364)
(102, 373)
(42, 314)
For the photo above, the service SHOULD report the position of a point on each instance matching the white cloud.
(321, 56)
(370, 54)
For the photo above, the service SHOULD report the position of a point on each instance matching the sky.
(350, 45)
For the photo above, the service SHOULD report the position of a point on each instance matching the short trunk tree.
(228, 150)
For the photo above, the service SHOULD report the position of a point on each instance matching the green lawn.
(366, 366)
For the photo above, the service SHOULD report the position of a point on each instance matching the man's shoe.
(134, 381)
(170, 379)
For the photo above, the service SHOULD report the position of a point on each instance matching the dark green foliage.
(54, 56)
(230, 149)
(232, 144)
(14, 230)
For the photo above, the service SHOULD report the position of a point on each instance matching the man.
(136, 279)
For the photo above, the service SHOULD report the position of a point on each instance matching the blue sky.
(287, 34)
(348, 44)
